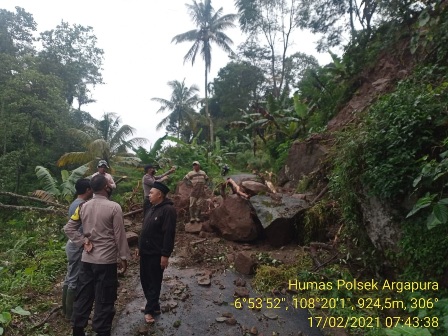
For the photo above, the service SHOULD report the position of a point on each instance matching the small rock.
(244, 263)
(204, 281)
(253, 331)
(240, 282)
(193, 227)
(221, 319)
(218, 302)
(176, 324)
(124, 290)
(216, 240)
(221, 287)
(172, 304)
(230, 321)
(227, 314)
(270, 315)
(241, 292)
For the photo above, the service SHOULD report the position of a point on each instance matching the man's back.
(102, 222)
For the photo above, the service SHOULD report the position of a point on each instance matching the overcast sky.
(139, 57)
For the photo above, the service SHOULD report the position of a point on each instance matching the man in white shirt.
(102, 166)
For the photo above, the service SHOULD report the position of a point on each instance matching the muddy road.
(196, 301)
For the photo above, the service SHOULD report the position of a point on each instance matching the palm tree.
(104, 139)
(209, 29)
(181, 105)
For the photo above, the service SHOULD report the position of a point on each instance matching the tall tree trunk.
(207, 114)
(352, 25)
(5, 127)
(275, 89)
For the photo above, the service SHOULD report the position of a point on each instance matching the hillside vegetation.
(378, 113)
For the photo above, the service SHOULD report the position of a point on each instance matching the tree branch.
(32, 199)
(29, 208)
(133, 212)
(236, 189)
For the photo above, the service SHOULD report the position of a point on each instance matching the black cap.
(163, 188)
(148, 166)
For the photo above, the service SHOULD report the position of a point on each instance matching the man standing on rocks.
(104, 241)
(156, 244)
(197, 178)
(73, 251)
(148, 181)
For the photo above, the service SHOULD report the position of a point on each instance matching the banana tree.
(53, 191)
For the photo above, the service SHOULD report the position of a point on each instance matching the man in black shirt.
(156, 244)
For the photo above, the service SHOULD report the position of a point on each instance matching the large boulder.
(279, 215)
(254, 188)
(181, 200)
(233, 220)
(304, 157)
(181, 197)
(240, 178)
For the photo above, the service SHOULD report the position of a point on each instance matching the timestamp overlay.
(362, 304)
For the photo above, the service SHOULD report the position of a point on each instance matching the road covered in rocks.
(202, 291)
(198, 301)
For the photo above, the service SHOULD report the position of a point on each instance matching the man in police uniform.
(104, 241)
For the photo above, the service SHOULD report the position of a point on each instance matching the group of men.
(98, 248)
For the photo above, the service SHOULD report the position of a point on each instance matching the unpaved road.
(193, 309)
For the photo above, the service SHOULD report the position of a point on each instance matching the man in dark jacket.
(156, 243)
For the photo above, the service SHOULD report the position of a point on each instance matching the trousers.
(151, 276)
(74, 254)
(96, 283)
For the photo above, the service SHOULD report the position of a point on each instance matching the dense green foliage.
(33, 260)
(395, 151)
